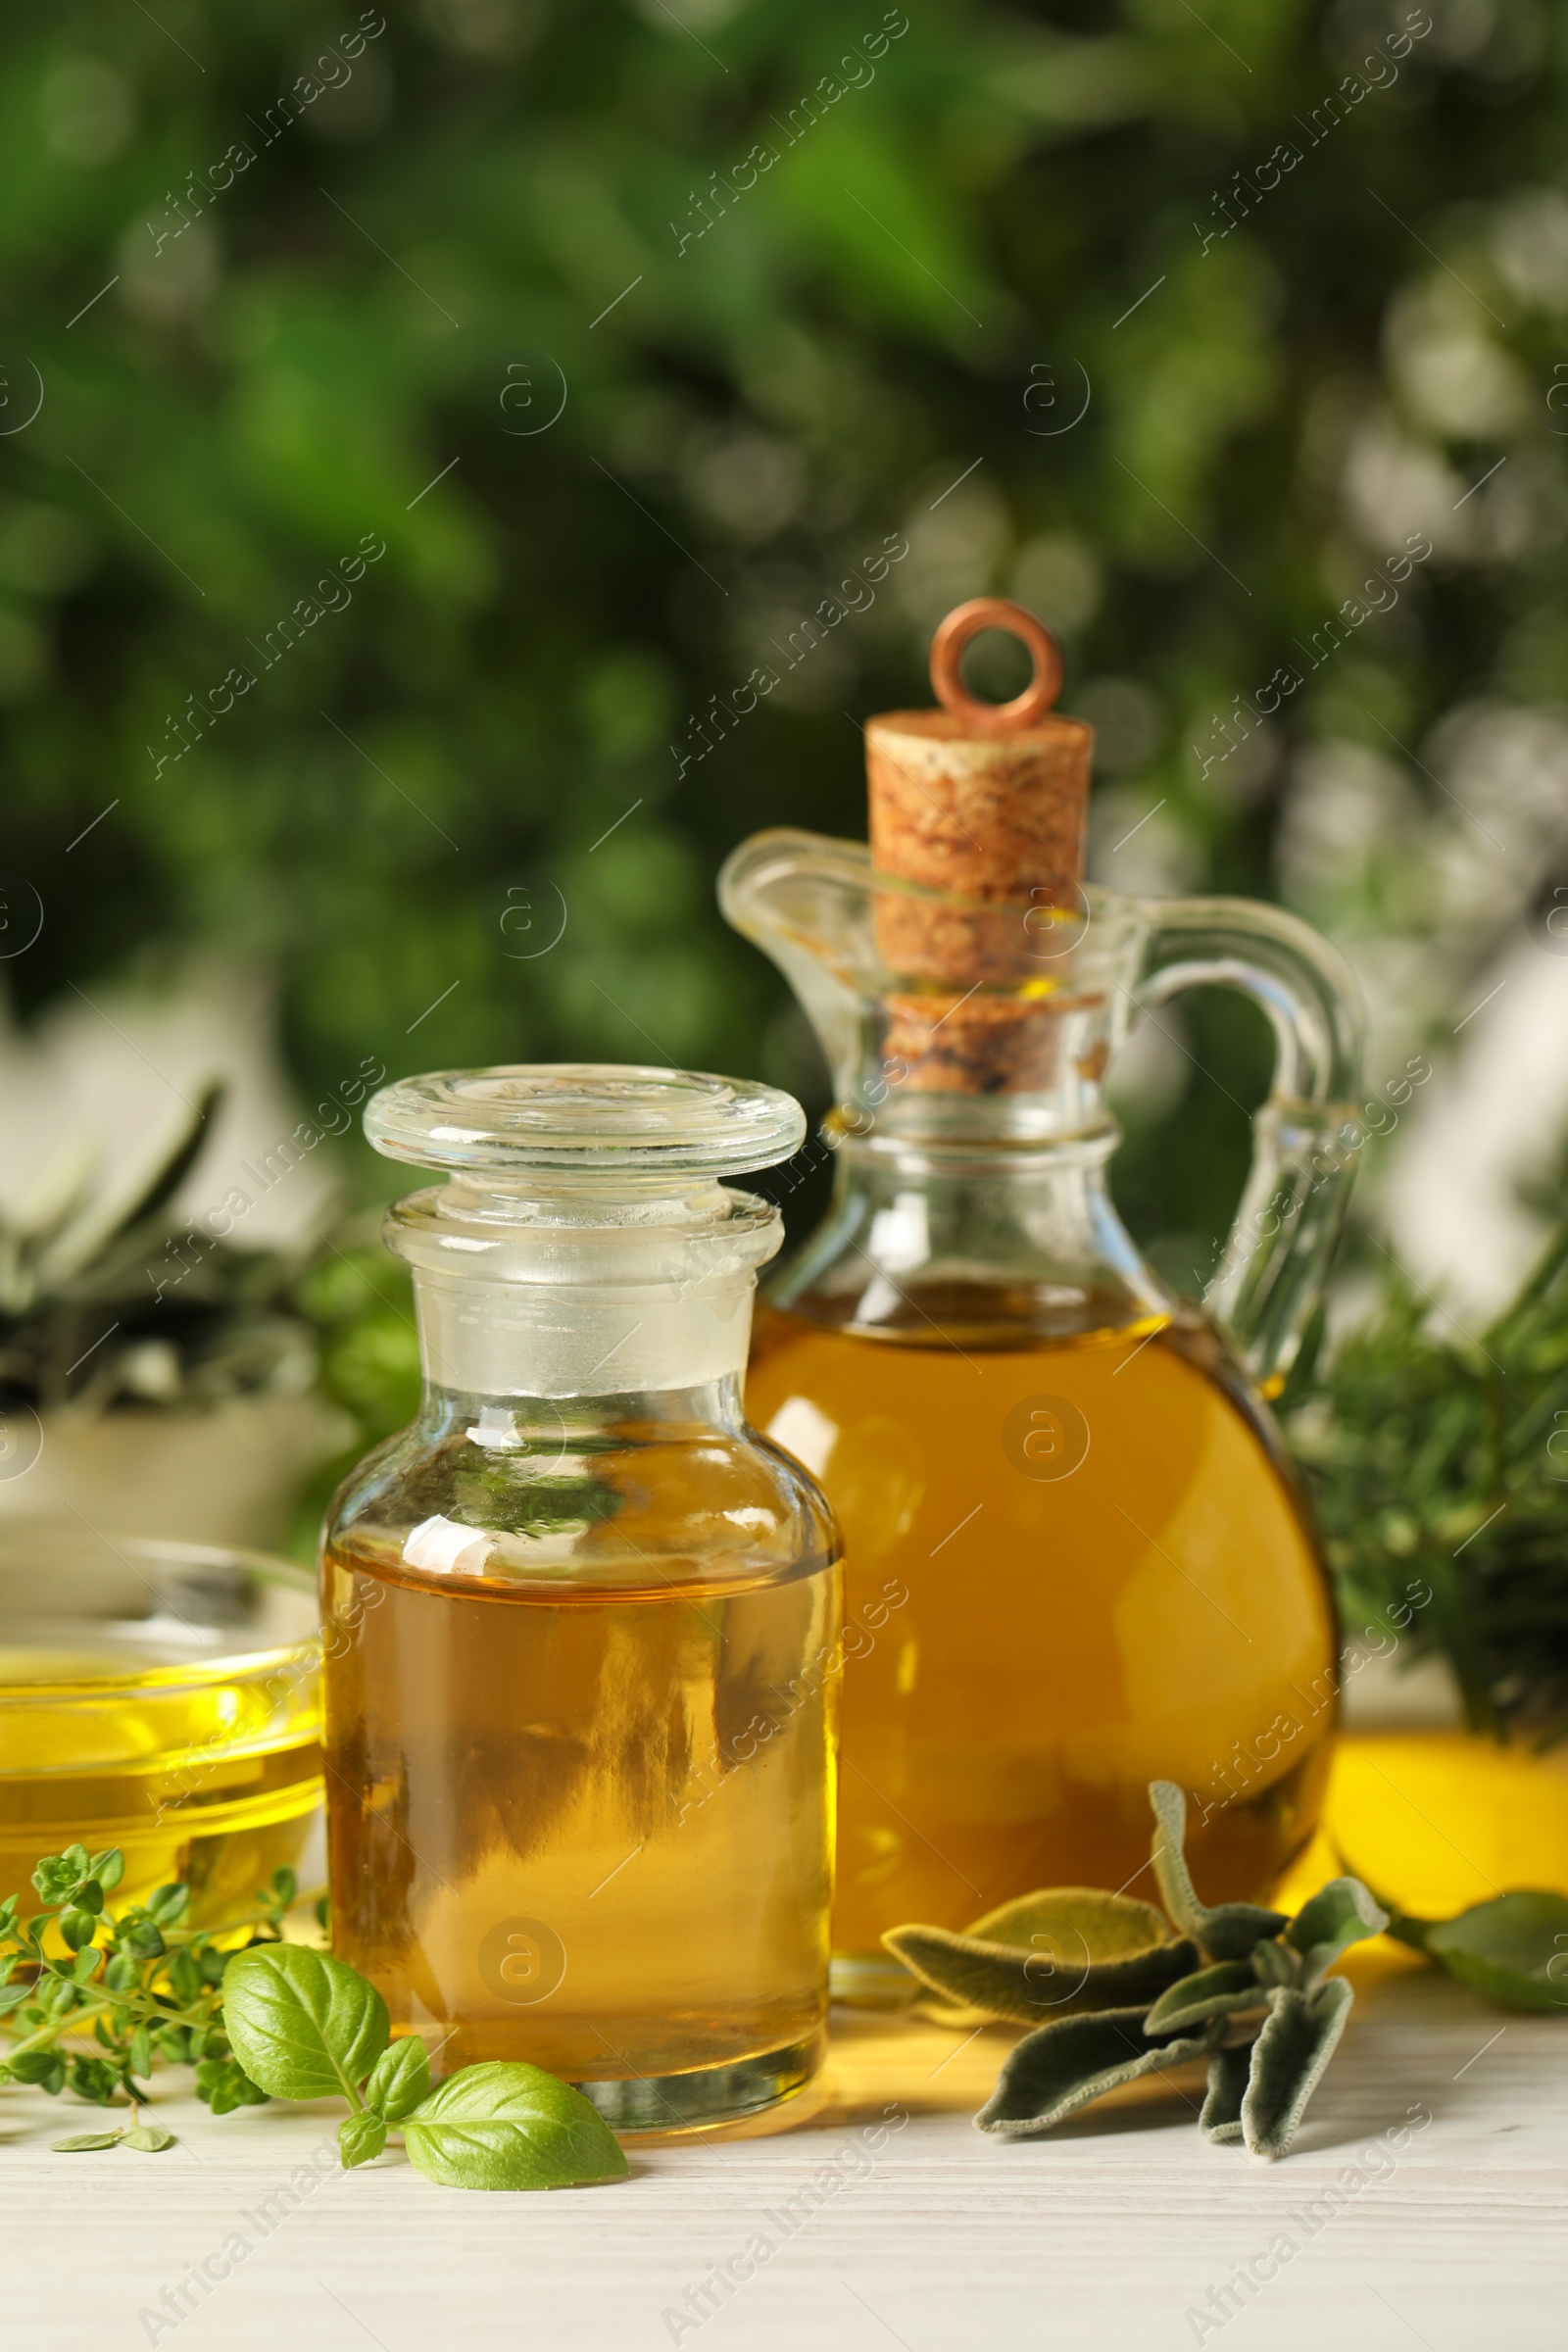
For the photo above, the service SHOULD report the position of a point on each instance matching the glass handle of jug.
(1306, 1137)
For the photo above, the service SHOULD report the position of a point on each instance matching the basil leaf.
(1024, 1986)
(1289, 2057)
(1230, 1984)
(1063, 2067)
(1513, 1949)
(87, 2139)
(1339, 1915)
(303, 2025)
(1229, 1931)
(150, 2138)
(359, 2138)
(399, 2080)
(503, 2125)
(1228, 2073)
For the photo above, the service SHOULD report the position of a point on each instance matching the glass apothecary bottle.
(1061, 1481)
(583, 1638)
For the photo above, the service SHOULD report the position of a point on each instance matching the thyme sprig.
(140, 1983)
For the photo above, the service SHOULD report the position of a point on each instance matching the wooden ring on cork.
(965, 621)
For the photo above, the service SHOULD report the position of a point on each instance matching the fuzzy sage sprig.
(270, 2020)
(1244, 1988)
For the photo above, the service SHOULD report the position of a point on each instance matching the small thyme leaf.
(85, 2141)
(150, 2138)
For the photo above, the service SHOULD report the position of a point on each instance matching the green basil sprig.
(304, 2026)
(272, 2020)
(1125, 1994)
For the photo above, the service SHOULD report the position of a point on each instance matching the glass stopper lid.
(564, 1119)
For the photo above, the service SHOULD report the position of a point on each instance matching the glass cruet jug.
(582, 1625)
(1057, 1482)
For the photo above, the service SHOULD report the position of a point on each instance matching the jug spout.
(960, 954)
(968, 989)
(938, 1011)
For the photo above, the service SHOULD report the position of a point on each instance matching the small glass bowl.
(159, 1697)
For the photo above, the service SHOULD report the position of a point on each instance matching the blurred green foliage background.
(492, 291)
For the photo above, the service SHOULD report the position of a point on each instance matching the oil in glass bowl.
(159, 1697)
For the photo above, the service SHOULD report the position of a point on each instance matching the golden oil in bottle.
(593, 1830)
(1109, 1580)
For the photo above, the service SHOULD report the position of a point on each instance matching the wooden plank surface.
(1105, 2237)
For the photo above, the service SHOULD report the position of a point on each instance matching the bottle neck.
(546, 1427)
(582, 1295)
(581, 1340)
(928, 1230)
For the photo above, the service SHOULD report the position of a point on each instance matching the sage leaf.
(87, 2139)
(1275, 1963)
(1110, 1927)
(1513, 1949)
(504, 2124)
(359, 2138)
(303, 2025)
(1063, 2066)
(1228, 1931)
(1023, 1984)
(150, 2138)
(1405, 1927)
(1228, 2072)
(399, 2080)
(1339, 1915)
(1230, 1984)
(1288, 2060)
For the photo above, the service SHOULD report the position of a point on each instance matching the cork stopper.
(985, 803)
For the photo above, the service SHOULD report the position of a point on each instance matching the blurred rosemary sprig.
(105, 1304)
(1429, 1450)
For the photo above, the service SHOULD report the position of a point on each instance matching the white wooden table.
(1104, 2236)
